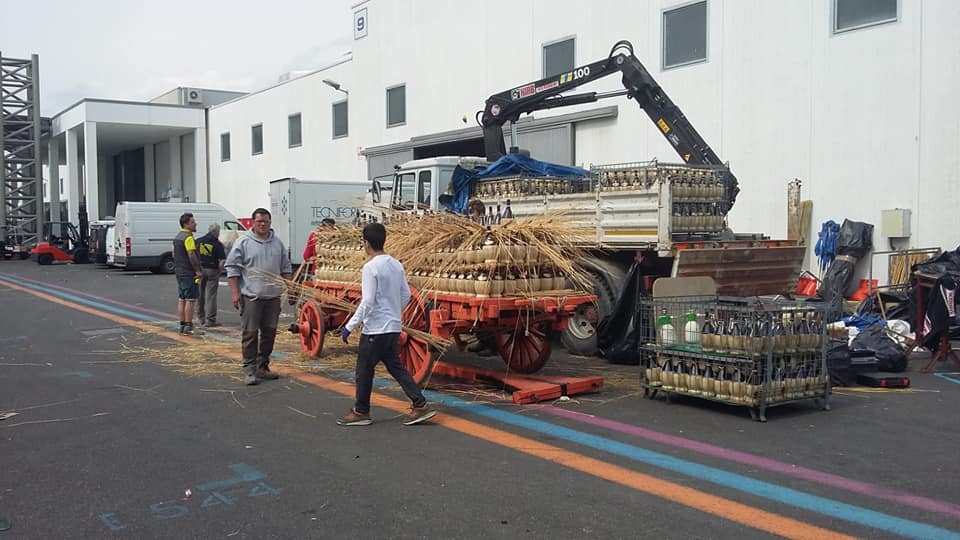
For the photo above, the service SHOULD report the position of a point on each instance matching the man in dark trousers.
(385, 292)
(188, 272)
(255, 257)
(212, 258)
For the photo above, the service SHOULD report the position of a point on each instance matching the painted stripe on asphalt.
(698, 500)
(810, 475)
(141, 309)
(947, 376)
(80, 300)
(822, 505)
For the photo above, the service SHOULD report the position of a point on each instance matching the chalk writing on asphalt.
(247, 483)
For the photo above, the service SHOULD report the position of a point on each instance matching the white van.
(111, 245)
(144, 231)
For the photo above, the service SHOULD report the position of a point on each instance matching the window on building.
(423, 193)
(256, 139)
(294, 133)
(224, 147)
(403, 191)
(61, 186)
(685, 35)
(853, 14)
(559, 57)
(396, 106)
(340, 123)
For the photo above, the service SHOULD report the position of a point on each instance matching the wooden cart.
(519, 328)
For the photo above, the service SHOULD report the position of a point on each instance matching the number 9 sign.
(360, 23)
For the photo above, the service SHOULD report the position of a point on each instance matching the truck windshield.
(403, 195)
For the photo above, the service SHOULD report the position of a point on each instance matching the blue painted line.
(791, 497)
(86, 302)
(947, 376)
(13, 338)
(246, 472)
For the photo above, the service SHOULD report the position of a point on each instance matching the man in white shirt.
(385, 292)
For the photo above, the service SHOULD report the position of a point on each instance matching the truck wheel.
(24, 255)
(45, 259)
(166, 265)
(580, 337)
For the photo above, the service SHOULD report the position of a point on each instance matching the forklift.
(62, 242)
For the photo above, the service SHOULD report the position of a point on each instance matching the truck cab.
(417, 185)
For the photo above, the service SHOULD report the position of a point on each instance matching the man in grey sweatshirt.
(254, 254)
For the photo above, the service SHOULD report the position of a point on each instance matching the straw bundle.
(450, 254)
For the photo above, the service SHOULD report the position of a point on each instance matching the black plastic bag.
(835, 282)
(947, 263)
(619, 334)
(896, 306)
(838, 364)
(890, 357)
(854, 239)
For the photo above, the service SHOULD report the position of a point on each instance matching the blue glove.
(345, 335)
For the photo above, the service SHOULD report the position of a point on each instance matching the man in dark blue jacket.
(212, 257)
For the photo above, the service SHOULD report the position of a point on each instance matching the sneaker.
(250, 380)
(353, 418)
(212, 324)
(191, 330)
(418, 415)
(267, 375)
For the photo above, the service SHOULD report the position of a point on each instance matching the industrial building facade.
(853, 98)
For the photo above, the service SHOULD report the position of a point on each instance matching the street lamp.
(335, 85)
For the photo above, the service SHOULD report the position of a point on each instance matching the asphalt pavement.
(103, 436)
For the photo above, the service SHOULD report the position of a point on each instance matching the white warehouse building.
(856, 99)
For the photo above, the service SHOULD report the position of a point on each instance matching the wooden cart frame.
(520, 329)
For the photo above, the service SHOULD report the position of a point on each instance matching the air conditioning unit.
(194, 96)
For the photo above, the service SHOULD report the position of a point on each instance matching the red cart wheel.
(525, 350)
(415, 351)
(311, 328)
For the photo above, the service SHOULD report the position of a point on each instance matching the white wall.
(241, 184)
(866, 119)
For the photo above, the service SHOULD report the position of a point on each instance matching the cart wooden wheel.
(415, 351)
(311, 328)
(524, 349)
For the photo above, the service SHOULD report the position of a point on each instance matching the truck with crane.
(667, 219)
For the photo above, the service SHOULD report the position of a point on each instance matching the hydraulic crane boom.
(639, 85)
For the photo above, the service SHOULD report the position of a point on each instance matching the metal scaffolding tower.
(21, 196)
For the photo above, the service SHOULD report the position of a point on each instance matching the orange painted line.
(711, 504)
(724, 508)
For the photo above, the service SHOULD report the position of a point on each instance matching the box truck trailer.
(299, 206)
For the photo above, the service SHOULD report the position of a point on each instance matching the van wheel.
(166, 265)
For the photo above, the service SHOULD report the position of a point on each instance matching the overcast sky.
(138, 50)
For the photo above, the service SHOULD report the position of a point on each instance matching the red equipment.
(519, 328)
(62, 243)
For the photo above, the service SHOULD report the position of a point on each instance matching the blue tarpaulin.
(508, 165)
